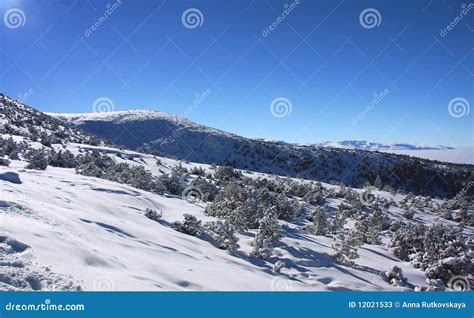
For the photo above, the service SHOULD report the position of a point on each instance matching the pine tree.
(345, 251)
(378, 183)
(269, 233)
(224, 234)
(319, 222)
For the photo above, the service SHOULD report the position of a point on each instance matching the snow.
(93, 234)
(64, 231)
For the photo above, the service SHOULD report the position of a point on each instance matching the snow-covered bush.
(337, 222)
(432, 285)
(4, 162)
(140, 178)
(439, 250)
(102, 166)
(226, 174)
(207, 189)
(38, 160)
(269, 233)
(62, 159)
(45, 139)
(224, 234)
(315, 197)
(241, 207)
(407, 241)
(10, 148)
(319, 222)
(395, 276)
(285, 209)
(278, 266)
(409, 214)
(190, 225)
(345, 251)
(175, 181)
(198, 171)
(367, 232)
(153, 215)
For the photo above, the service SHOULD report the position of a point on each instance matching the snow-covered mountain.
(76, 214)
(177, 137)
(367, 145)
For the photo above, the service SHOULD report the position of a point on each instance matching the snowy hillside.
(176, 137)
(66, 231)
(81, 215)
(367, 145)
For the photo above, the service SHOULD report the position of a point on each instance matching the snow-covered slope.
(72, 231)
(367, 145)
(177, 137)
(80, 215)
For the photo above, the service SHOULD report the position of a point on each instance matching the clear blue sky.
(319, 57)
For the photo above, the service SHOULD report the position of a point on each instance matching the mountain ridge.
(144, 114)
(177, 137)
